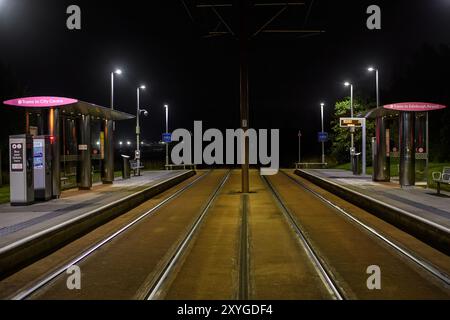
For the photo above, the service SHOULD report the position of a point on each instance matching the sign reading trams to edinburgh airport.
(16, 157)
(414, 106)
(40, 102)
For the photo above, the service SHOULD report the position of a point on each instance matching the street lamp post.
(118, 72)
(138, 130)
(109, 126)
(371, 69)
(299, 147)
(167, 131)
(352, 130)
(381, 163)
(323, 142)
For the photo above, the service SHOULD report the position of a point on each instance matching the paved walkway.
(19, 222)
(418, 201)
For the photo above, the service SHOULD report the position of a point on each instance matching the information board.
(17, 157)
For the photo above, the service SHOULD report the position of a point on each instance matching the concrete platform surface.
(17, 223)
(419, 201)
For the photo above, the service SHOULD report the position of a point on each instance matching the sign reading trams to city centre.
(40, 102)
(414, 106)
(351, 122)
(16, 157)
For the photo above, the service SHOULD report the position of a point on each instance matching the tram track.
(422, 263)
(209, 268)
(321, 268)
(29, 291)
(164, 273)
(206, 240)
(115, 245)
(346, 246)
(280, 266)
(244, 250)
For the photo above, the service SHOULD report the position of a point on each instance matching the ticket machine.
(42, 168)
(21, 170)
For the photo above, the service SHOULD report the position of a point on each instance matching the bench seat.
(441, 177)
(134, 167)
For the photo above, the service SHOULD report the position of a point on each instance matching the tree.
(341, 136)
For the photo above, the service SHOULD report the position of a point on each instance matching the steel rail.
(325, 275)
(419, 261)
(29, 291)
(180, 250)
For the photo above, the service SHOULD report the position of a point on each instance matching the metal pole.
(378, 91)
(112, 98)
(85, 163)
(138, 131)
(351, 109)
(27, 122)
(407, 149)
(299, 147)
(323, 143)
(108, 167)
(244, 65)
(54, 131)
(112, 90)
(364, 148)
(428, 150)
(167, 131)
(381, 163)
(352, 133)
(382, 136)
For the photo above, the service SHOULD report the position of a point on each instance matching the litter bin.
(125, 167)
(355, 164)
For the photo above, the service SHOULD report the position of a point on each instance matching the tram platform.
(418, 210)
(29, 231)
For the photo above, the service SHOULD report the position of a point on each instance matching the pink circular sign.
(40, 102)
(414, 106)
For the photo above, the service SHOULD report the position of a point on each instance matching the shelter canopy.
(69, 107)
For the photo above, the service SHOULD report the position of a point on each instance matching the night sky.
(156, 43)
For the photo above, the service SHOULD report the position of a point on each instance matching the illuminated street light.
(118, 72)
(167, 131)
(120, 143)
(371, 69)
(381, 170)
(129, 143)
(348, 84)
(138, 128)
(110, 126)
(352, 130)
(323, 142)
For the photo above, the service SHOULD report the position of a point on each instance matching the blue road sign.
(322, 136)
(167, 137)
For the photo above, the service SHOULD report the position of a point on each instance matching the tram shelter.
(80, 134)
(401, 133)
